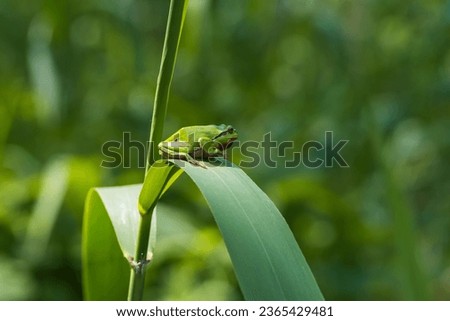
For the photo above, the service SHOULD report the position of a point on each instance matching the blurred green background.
(75, 74)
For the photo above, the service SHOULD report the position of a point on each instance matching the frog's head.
(226, 137)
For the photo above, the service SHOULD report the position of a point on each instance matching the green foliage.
(260, 243)
(266, 258)
(110, 231)
(294, 68)
(105, 240)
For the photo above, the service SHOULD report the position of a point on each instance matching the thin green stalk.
(137, 274)
(177, 13)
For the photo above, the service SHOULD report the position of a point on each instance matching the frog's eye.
(230, 130)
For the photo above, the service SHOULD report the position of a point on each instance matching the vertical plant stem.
(137, 274)
(177, 13)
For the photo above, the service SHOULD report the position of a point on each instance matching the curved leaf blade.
(110, 231)
(110, 225)
(120, 203)
(268, 263)
(105, 270)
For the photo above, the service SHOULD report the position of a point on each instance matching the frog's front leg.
(209, 147)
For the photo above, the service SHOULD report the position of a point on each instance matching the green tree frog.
(198, 142)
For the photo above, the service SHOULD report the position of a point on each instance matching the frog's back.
(200, 131)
